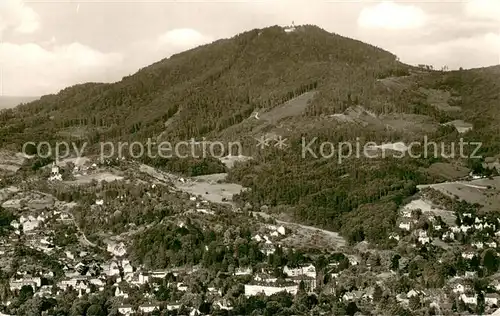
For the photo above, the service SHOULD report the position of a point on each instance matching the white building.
(243, 271)
(34, 282)
(406, 225)
(458, 288)
(469, 299)
(126, 310)
(491, 299)
(251, 290)
(491, 244)
(309, 271)
(148, 308)
(394, 236)
(127, 267)
(468, 255)
(478, 245)
(470, 274)
(424, 240)
(54, 174)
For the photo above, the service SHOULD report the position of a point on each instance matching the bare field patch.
(210, 187)
(99, 177)
(485, 192)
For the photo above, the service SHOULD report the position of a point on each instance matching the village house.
(352, 296)
(469, 298)
(257, 238)
(126, 310)
(54, 173)
(243, 271)
(424, 240)
(496, 284)
(309, 271)
(44, 291)
(394, 236)
(127, 267)
(470, 274)
(412, 293)
(98, 283)
(173, 307)
(406, 213)
(264, 278)
(468, 255)
(491, 299)
(120, 293)
(223, 305)
(465, 228)
(251, 290)
(491, 244)
(149, 308)
(448, 236)
(268, 249)
(111, 269)
(181, 287)
(405, 225)
(353, 261)
(34, 282)
(459, 288)
(478, 245)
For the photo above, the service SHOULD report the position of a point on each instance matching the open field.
(99, 176)
(485, 192)
(209, 187)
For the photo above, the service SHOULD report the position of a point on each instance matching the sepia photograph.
(249, 157)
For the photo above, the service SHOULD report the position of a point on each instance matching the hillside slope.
(207, 89)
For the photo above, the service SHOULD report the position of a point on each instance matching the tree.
(377, 293)
(25, 293)
(351, 309)
(490, 261)
(395, 262)
(95, 310)
(415, 302)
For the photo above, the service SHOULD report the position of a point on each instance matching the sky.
(47, 45)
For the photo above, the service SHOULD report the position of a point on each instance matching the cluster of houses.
(481, 232)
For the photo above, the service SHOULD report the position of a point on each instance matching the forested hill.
(206, 89)
(355, 91)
